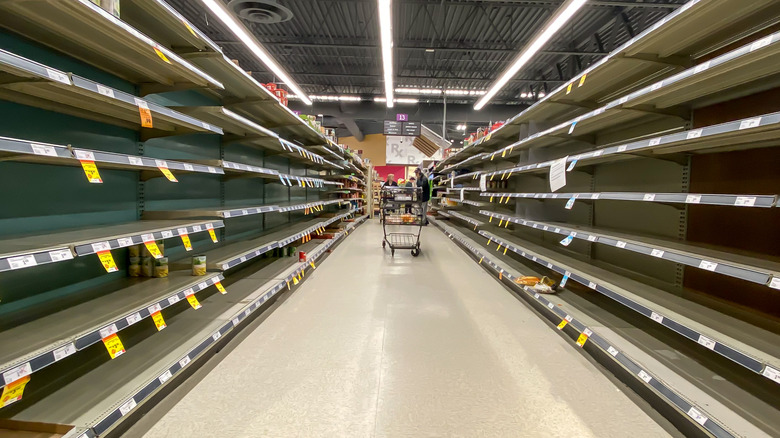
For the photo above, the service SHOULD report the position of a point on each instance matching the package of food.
(134, 251)
(199, 265)
(134, 267)
(147, 266)
(161, 267)
(527, 280)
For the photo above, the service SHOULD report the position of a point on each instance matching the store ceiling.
(331, 47)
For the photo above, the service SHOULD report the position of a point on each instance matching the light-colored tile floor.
(375, 346)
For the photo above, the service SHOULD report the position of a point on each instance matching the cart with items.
(401, 207)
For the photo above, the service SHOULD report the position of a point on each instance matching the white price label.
(696, 133)
(58, 76)
(161, 163)
(206, 126)
(592, 285)
(657, 253)
(147, 237)
(154, 308)
(108, 331)
(551, 305)
(39, 149)
(167, 234)
(105, 91)
(587, 332)
(60, 255)
(201, 286)
(188, 292)
(701, 67)
(165, 376)
(181, 231)
(246, 312)
(622, 148)
(174, 299)
(775, 283)
(644, 376)
(595, 195)
(212, 170)
(707, 265)
(697, 416)
(654, 142)
(64, 351)
(134, 318)
(242, 259)
(135, 161)
(209, 226)
(84, 155)
(656, 317)
(707, 342)
(656, 86)
(227, 214)
(216, 336)
(649, 197)
(183, 363)
(693, 199)
(235, 322)
(612, 350)
(196, 228)
(568, 318)
(620, 244)
(745, 201)
(188, 167)
(750, 123)
(101, 246)
(141, 103)
(17, 373)
(598, 153)
(536, 296)
(592, 238)
(127, 407)
(763, 42)
(771, 373)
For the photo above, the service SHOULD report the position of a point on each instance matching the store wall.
(373, 146)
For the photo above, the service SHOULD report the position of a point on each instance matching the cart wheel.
(416, 252)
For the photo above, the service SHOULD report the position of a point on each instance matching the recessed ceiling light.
(386, 33)
(430, 50)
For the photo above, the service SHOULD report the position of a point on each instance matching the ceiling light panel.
(386, 34)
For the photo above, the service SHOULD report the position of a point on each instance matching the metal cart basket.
(401, 207)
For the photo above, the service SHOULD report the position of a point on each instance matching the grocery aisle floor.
(374, 346)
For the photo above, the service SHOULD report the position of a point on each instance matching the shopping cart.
(401, 207)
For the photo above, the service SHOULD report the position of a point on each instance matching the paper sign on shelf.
(582, 80)
(161, 55)
(571, 165)
(220, 288)
(114, 345)
(213, 235)
(558, 174)
(564, 280)
(151, 245)
(108, 261)
(12, 392)
(193, 301)
(568, 89)
(145, 113)
(159, 321)
(570, 202)
(87, 160)
(581, 340)
(562, 324)
(185, 239)
(163, 166)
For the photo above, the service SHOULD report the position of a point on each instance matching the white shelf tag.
(58, 76)
(558, 174)
(649, 197)
(161, 163)
(108, 331)
(568, 318)
(166, 234)
(707, 265)
(174, 299)
(183, 363)
(656, 317)
(763, 42)
(147, 237)
(551, 305)
(135, 161)
(141, 103)
(701, 67)
(745, 201)
(707, 342)
(216, 336)
(693, 199)
(592, 285)
(622, 148)
(60, 255)
(127, 407)
(771, 373)
(696, 133)
(750, 123)
(201, 286)
(587, 332)
(536, 296)
(64, 351)
(134, 318)
(101, 246)
(654, 142)
(697, 416)
(612, 350)
(39, 149)
(592, 238)
(644, 376)
(196, 228)
(165, 376)
(188, 167)
(105, 91)
(775, 283)
(620, 244)
(154, 308)
(17, 373)
(84, 155)
(657, 253)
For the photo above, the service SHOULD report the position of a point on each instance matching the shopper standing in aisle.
(410, 183)
(390, 181)
(422, 182)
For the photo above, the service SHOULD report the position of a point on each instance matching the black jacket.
(390, 184)
(422, 182)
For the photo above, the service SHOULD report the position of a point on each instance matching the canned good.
(199, 265)
(147, 266)
(134, 267)
(134, 250)
(161, 267)
(301, 256)
(291, 251)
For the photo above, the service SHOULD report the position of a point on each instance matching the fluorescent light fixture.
(335, 98)
(461, 127)
(542, 94)
(419, 91)
(248, 122)
(430, 50)
(563, 15)
(386, 33)
(240, 31)
(399, 100)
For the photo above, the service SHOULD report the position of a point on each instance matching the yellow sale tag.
(502, 199)
(168, 174)
(108, 261)
(12, 392)
(501, 222)
(312, 265)
(562, 324)
(185, 239)
(114, 345)
(506, 225)
(213, 235)
(491, 198)
(295, 280)
(498, 247)
(303, 273)
(303, 182)
(159, 322)
(189, 28)
(503, 153)
(145, 113)
(288, 285)
(582, 339)
(475, 228)
(568, 89)
(220, 288)
(480, 260)
(505, 248)
(91, 171)
(161, 55)
(488, 137)
(500, 275)
(582, 80)
(154, 250)
(193, 302)
(493, 155)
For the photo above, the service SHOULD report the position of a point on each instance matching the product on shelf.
(161, 267)
(112, 6)
(199, 265)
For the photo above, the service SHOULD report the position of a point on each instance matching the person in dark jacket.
(390, 181)
(422, 182)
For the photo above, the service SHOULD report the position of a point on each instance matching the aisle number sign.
(145, 112)
(87, 160)
(151, 245)
(114, 345)
(185, 238)
(12, 392)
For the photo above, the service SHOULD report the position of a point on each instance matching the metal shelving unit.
(105, 42)
(757, 201)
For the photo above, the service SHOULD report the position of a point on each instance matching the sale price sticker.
(159, 321)
(145, 113)
(220, 288)
(108, 261)
(151, 245)
(185, 239)
(213, 235)
(163, 166)
(562, 324)
(12, 392)
(583, 337)
(114, 345)
(193, 302)
(161, 55)
(91, 171)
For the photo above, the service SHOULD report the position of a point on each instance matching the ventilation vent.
(260, 11)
